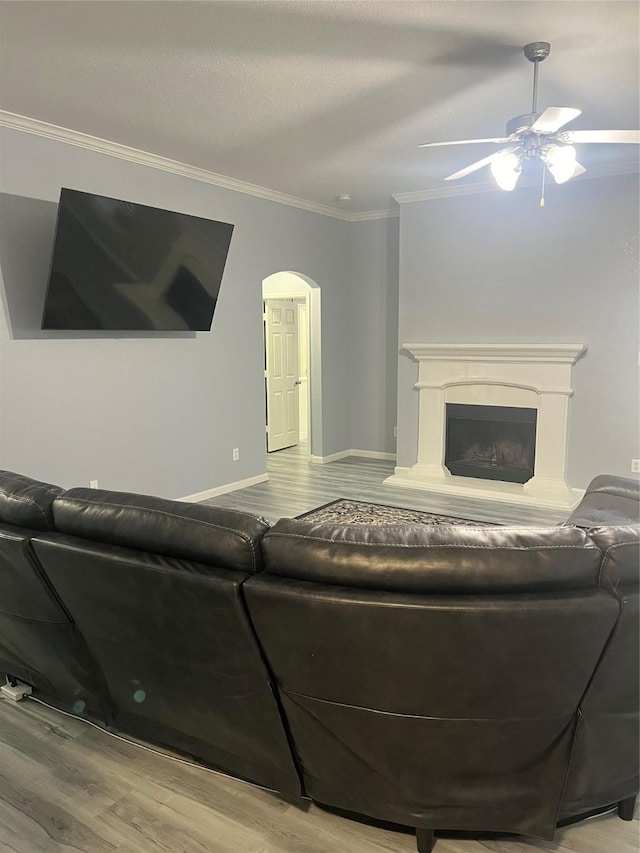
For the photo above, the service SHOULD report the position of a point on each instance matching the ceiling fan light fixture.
(506, 168)
(539, 136)
(561, 161)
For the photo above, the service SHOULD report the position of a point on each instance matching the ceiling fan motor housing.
(520, 123)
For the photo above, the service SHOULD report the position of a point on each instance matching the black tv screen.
(122, 266)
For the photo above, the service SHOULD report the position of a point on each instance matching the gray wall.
(373, 333)
(161, 414)
(496, 267)
(156, 414)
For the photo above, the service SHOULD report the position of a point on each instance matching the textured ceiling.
(313, 98)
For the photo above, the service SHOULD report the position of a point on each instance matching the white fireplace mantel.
(524, 375)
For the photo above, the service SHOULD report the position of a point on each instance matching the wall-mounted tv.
(121, 266)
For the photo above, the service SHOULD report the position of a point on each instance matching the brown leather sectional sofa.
(444, 678)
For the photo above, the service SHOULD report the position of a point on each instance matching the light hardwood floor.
(296, 485)
(66, 786)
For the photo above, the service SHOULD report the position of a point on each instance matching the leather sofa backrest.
(155, 588)
(608, 500)
(604, 765)
(451, 703)
(212, 535)
(433, 558)
(38, 642)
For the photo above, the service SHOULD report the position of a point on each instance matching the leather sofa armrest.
(25, 502)
(609, 500)
(620, 546)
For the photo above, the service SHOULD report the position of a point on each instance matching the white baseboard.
(342, 454)
(333, 457)
(374, 454)
(222, 490)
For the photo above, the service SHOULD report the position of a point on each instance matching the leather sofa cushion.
(438, 559)
(26, 502)
(621, 548)
(608, 500)
(206, 534)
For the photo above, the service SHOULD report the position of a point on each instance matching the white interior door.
(281, 373)
(303, 368)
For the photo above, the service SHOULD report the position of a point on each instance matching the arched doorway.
(304, 296)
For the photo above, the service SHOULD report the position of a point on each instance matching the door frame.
(288, 284)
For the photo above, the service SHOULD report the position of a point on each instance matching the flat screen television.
(121, 266)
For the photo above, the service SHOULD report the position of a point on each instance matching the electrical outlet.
(395, 432)
(93, 484)
(236, 454)
(16, 692)
(635, 466)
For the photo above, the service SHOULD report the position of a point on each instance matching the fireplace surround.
(523, 376)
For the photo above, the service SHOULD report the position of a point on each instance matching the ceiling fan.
(538, 136)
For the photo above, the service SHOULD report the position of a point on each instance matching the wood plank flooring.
(296, 485)
(66, 786)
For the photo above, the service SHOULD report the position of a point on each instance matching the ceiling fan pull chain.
(544, 171)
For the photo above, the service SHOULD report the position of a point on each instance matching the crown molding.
(37, 127)
(155, 161)
(367, 215)
(605, 170)
(444, 192)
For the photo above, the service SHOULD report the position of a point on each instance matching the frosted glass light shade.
(561, 162)
(506, 168)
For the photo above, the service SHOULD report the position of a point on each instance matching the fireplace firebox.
(490, 442)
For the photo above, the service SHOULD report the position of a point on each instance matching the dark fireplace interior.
(491, 442)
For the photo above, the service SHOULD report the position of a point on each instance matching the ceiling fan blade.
(553, 118)
(628, 136)
(463, 142)
(579, 170)
(474, 166)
